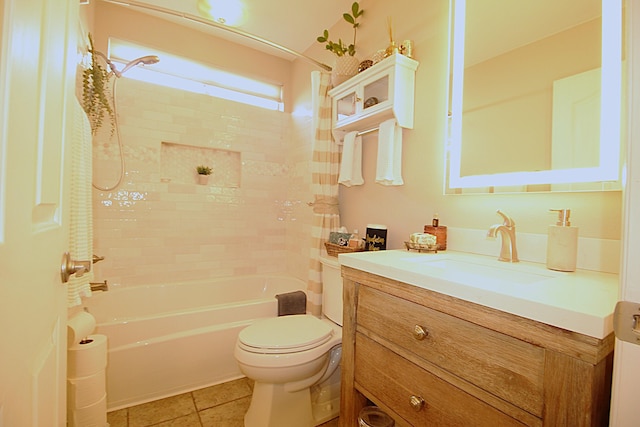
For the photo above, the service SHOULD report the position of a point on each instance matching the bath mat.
(292, 303)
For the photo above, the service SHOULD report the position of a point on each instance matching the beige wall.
(408, 208)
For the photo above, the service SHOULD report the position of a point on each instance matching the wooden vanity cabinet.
(428, 359)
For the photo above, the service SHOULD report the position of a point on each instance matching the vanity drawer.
(419, 397)
(501, 365)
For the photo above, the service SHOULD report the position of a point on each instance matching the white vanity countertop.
(582, 301)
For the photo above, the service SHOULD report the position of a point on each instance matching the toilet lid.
(285, 334)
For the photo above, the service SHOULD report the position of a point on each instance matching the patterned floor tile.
(229, 414)
(118, 418)
(222, 405)
(191, 420)
(221, 393)
(161, 410)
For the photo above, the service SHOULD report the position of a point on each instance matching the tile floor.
(222, 405)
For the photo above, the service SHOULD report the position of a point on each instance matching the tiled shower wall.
(158, 227)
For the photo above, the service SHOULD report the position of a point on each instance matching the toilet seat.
(285, 334)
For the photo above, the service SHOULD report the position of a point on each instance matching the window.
(180, 73)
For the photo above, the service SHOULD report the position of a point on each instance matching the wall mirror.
(535, 99)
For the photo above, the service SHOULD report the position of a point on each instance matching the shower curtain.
(80, 221)
(325, 166)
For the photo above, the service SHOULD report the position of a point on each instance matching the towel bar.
(364, 132)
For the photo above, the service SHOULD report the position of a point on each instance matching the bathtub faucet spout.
(100, 286)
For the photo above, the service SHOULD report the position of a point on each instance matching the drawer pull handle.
(417, 403)
(419, 332)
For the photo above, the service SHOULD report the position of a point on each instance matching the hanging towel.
(351, 164)
(80, 221)
(292, 303)
(389, 167)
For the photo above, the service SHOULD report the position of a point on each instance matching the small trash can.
(372, 416)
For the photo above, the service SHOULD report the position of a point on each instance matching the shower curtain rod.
(219, 26)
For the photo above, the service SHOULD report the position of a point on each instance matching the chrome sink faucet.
(508, 250)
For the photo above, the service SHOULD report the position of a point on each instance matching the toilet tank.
(331, 289)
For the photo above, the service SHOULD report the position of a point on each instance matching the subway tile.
(248, 270)
(156, 221)
(162, 116)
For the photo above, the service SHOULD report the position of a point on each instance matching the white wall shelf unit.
(381, 92)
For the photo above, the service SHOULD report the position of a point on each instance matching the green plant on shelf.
(204, 170)
(339, 48)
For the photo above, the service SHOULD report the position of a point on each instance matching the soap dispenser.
(562, 243)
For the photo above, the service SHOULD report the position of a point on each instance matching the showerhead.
(145, 60)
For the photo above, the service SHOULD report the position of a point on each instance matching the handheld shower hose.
(145, 60)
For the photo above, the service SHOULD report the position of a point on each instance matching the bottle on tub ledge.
(562, 243)
(440, 231)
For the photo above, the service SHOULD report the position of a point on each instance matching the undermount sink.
(463, 270)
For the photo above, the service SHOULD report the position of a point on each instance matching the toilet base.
(325, 399)
(272, 406)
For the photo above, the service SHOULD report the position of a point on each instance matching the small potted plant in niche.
(346, 64)
(203, 174)
(96, 101)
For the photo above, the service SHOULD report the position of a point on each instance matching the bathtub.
(172, 338)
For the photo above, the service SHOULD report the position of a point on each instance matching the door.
(575, 135)
(626, 375)
(37, 77)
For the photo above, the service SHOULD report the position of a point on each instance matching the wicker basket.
(334, 250)
(411, 246)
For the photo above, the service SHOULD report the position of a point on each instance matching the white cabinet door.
(37, 77)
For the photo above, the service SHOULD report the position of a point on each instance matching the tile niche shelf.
(381, 92)
(178, 164)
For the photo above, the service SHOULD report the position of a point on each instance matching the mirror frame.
(610, 112)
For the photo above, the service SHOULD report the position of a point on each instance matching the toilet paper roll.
(87, 358)
(79, 326)
(86, 391)
(92, 415)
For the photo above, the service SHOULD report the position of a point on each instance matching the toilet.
(295, 362)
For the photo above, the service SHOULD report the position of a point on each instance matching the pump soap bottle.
(562, 243)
